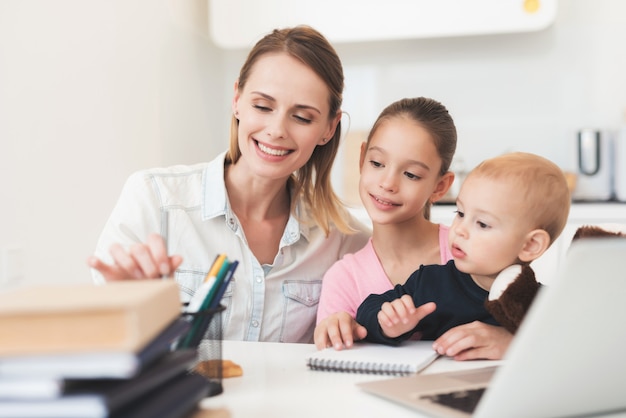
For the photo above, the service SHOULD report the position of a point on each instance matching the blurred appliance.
(594, 166)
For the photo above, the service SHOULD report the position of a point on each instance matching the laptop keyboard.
(464, 400)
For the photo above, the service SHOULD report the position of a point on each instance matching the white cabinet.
(611, 216)
(239, 23)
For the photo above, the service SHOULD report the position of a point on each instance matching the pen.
(198, 298)
(207, 292)
(219, 278)
(214, 303)
(215, 268)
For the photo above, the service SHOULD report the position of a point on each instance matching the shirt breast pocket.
(188, 282)
(301, 298)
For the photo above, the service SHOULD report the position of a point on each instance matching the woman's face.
(283, 115)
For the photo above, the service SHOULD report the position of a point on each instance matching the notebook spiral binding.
(359, 367)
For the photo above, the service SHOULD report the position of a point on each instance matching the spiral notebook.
(408, 358)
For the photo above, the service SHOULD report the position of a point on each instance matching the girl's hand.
(473, 341)
(141, 261)
(338, 330)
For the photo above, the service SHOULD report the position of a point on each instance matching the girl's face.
(283, 115)
(489, 231)
(399, 172)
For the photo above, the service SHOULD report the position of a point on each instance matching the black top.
(459, 301)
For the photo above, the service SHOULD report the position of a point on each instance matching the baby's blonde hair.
(541, 184)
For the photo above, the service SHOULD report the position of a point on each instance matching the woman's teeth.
(272, 151)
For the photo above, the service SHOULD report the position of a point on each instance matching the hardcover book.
(151, 390)
(121, 316)
(87, 365)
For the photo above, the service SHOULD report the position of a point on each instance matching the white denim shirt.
(275, 302)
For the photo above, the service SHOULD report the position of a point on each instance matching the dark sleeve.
(367, 313)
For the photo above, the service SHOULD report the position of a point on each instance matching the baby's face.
(490, 227)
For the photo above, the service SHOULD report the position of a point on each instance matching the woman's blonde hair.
(312, 181)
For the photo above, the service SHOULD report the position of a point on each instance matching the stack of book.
(97, 351)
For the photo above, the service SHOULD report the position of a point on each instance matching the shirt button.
(231, 221)
(259, 280)
(255, 324)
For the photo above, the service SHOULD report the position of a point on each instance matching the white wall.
(89, 92)
(93, 90)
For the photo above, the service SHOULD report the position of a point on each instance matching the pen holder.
(205, 335)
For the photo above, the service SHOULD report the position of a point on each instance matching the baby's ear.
(537, 242)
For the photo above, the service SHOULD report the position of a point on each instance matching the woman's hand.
(338, 330)
(141, 261)
(473, 341)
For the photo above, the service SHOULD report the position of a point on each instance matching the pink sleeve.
(444, 247)
(350, 280)
(338, 290)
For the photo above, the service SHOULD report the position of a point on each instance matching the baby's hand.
(400, 316)
(475, 340)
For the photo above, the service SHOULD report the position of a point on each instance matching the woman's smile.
(272, 151)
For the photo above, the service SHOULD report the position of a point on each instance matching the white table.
(277, 383)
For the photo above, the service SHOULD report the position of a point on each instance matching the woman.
(266, 202)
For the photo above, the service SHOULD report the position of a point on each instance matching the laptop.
(565, 360)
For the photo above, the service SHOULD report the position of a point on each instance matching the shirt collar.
(214, 201)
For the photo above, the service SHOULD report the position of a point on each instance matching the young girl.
(404, 169)
(267, 202)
